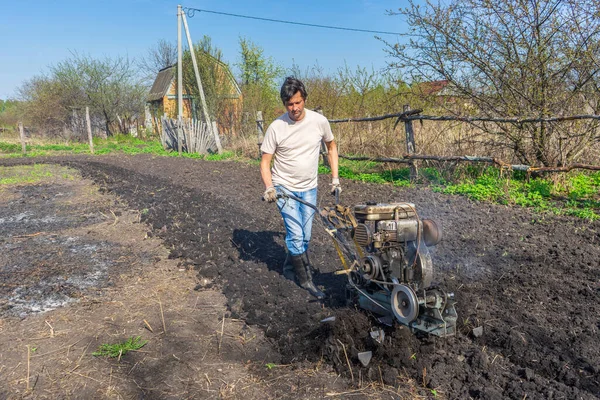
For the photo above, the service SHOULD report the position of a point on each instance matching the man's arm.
(332, 156)
(265, 170)
(270, 194)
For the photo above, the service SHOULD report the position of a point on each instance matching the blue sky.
(40, 33)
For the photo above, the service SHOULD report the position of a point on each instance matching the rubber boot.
(304, 277)
(314, 271)
(288, 267)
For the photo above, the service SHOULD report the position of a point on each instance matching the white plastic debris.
(477, 332)
(365, 357)
(378, 335)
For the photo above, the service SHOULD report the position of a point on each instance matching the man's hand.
(335, 185)
(270, 195)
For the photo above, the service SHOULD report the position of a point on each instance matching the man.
(295, 140)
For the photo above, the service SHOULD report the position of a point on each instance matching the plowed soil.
(531, 282)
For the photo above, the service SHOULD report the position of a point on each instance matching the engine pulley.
(405, 304)
(371, 267)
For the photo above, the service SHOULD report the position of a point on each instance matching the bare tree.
(161, 55)
(45, 105)
(109, 87)
(532, 58)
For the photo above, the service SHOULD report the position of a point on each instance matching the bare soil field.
(185, 254)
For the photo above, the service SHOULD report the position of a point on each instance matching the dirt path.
(532, 282)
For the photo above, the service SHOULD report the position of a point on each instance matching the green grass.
(10, 147)
(578, 194)
(368, 172)
(120, 349)
(124, 144)
(32, 174)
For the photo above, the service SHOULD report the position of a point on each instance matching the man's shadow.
(262, 247)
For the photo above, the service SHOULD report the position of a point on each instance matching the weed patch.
(543, 195)
(120, 349)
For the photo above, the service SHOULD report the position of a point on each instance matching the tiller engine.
(385, 252)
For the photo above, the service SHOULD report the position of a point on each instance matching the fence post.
(410, 144)
(179, 136)
(324, 150)
(147, 120)
(22, 135)
(74, 123)
(89, 128)
(259, 130)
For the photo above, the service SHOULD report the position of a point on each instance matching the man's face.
(295, 107)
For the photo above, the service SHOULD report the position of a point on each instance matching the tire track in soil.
(531, 281)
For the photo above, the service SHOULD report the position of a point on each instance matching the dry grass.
(383, 139)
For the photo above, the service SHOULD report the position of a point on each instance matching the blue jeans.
(297, 219)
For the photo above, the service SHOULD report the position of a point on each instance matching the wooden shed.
(162, 99)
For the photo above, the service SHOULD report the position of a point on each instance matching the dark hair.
(290, 87)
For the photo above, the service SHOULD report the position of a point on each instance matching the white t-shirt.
(296, 147)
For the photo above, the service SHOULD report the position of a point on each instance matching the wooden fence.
(409, 158)
(190, 136)
(88, 126)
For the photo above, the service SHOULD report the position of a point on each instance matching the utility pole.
(179, 66)
(179, 82)
(207, 120)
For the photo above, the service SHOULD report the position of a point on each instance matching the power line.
(191, 11)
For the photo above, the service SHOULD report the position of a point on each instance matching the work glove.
(335, 185)
(270, 195)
